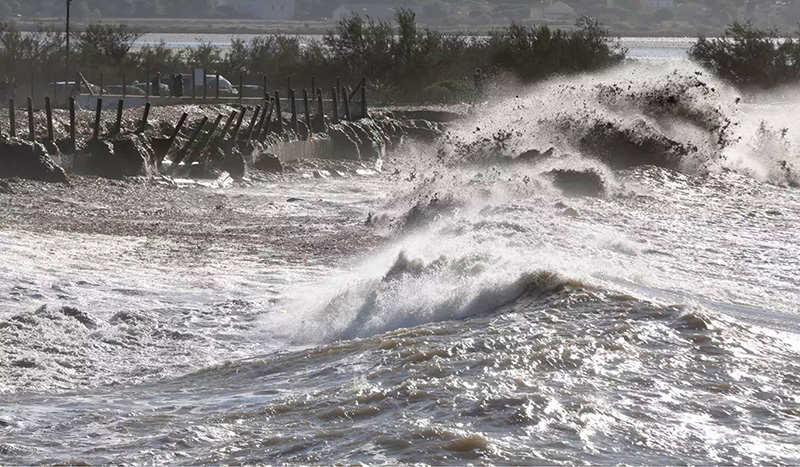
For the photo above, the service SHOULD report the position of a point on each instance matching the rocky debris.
(630, 147)
(124, 156)
(268, 163)
(346, 142)
(579, 182)
(6, 188)
(534, 155)
(160, 146)
(429, 209)
(430, 115)
(65, 146)
(392, 129)
(84, 318)
(423, 130)
(369, 138)
(25, 159)
(233, 162)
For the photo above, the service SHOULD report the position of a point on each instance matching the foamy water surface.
(503, 320)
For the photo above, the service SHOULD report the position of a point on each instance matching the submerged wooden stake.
(253, 121)
(225, 129)
(120, 109)
(211, 134)
(12, 119)
(264, 120)
(49, 109)
(72, 122)
(267, 127)
(293, 106)
(145, 117)
(335, 116)
(347, 115)
(278, 112)
(321, 111)
(238, 126)
(183, 152)
(307, 110)
(364, 108)
(97, 115)
(31, 128)
(176, 132)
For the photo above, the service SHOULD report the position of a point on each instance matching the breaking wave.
(485, 219)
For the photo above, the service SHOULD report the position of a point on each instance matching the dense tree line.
(401, 59)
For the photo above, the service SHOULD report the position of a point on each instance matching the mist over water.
(600, 269)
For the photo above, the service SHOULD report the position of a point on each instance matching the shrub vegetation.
(750, 57)
(402, 60)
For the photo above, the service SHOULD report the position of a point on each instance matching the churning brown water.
(484, 314)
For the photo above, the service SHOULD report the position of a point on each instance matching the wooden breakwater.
(255, 119)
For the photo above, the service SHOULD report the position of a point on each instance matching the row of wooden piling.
(260, 116)
(31, 126)
(261, 123)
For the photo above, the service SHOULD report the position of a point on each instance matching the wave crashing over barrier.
(593, 272)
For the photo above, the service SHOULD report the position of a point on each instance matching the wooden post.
(72, 122)
(183, 152)
(145, 117)
(253, 122)
(295, 121)
(266, 129)
(175, 133)
(120, 107)
(279, 116)
(97, 116)
(227, 127)
(49, 109)
(178, 128)
(347, 115)
(335, 98)
(217, 75)
(12, 119)
(307, 110)
(267, 106)
(102, 84)
(364, 108)
(238, 126)
(321, 111)
(211, 133)
(31, 127)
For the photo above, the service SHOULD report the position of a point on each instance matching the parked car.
(165, 90)
(226, 89)
(129, 90)
(251, 90)
(62, 87)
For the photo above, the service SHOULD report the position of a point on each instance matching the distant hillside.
(620, 15)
